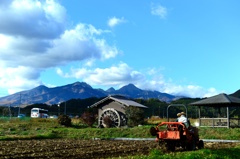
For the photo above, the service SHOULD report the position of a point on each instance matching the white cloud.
(159, 10)
(122, 74)
(76, 44)
(32, 19)
(113, 76)
(190, 91)
(112, 22)
(160, 84)
(19, 78)
(33, 36)
(79, 44)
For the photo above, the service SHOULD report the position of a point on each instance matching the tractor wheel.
(200, 144)
(153, 131)
(191, 145)
(170, 146)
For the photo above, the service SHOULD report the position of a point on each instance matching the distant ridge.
(236, 94)
(78, 90)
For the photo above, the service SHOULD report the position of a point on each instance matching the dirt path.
(65, 148)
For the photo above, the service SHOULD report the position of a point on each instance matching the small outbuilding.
(114, 108)
(228, 117)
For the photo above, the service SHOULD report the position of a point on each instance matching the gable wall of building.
(113, 104)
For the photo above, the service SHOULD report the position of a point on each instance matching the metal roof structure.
(121, 99)
(218, 101)
(221, 100)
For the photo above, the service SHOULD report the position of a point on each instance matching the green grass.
(28, 128)
(224, 153)
(220, 133)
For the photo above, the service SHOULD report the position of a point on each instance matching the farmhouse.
(113, 107)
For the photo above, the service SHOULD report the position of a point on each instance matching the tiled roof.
(121, 99)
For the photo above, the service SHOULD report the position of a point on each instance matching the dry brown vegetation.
(69, 148)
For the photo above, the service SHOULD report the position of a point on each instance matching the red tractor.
(176, 134)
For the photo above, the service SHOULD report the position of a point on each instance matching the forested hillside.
(78, 106)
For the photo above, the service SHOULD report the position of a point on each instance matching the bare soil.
(84, 149)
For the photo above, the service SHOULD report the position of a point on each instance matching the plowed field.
(65, 148)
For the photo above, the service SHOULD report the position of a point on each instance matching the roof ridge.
(227, 97)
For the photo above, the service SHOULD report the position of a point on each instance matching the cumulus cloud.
(75, 44)
(112, 76)
(19, 78)
(159, 10)
(78, 44)
(34, 36)
(122, 74)
(190, 91)
(113, 21)
(32, 19)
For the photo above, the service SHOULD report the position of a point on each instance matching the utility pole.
(59, 108)
(65, 108)
(10, 113)
(19, 105)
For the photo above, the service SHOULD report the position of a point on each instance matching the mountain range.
(78, 90)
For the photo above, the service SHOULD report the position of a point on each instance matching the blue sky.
(178, 47)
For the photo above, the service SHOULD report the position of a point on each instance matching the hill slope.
(77, 90)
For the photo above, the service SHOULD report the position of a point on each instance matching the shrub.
(64, 120)
(107, 121)
(135, 116)
(88, 118)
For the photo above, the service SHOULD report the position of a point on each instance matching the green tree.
(135, 116)
(155, 107)
(5, 111)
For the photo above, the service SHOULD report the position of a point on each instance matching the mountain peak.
(130, 87)
(79, 90)
(40, 88)
(129, 90)
(110, 90)
(81, 84)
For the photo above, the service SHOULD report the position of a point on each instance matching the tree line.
(76, 107)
